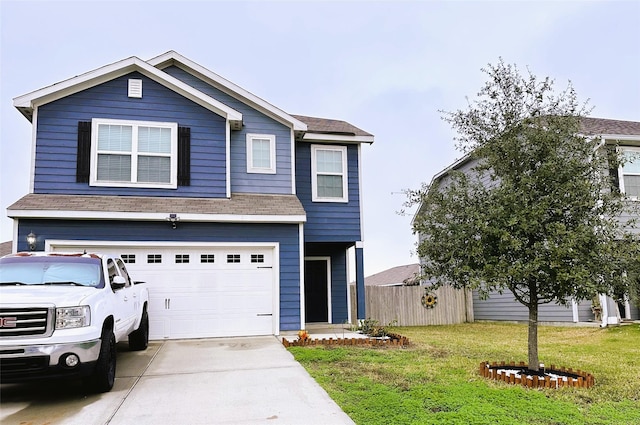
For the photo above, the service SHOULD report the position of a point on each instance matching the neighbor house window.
(261, 153)
(630, 172)
(134, 153)
(329, 173)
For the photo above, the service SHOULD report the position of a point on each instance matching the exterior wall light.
(31, 240)
(173, 219)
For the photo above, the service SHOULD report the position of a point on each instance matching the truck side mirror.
(118, 282)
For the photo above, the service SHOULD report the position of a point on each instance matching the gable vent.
(135, 88)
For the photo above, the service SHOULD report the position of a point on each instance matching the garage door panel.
(197, 292)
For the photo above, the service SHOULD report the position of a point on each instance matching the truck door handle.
(167, 303)
(264, 314)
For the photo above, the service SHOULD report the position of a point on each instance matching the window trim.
(272, 154)
(622, 174)
(173, 172)
(344, 174)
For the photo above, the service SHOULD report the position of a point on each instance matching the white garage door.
(198, 292)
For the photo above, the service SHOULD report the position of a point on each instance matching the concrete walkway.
(207, 381)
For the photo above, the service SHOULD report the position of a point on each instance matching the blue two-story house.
(242, 218)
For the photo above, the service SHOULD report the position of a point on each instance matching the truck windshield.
(77, 271)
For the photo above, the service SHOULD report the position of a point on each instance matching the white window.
(261, 153)
(134, 153)
(329, 173)
(630, 172)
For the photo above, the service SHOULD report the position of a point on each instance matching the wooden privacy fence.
(403, 304)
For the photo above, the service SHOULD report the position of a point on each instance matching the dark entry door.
(315, 291)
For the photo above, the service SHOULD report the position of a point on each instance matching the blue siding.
(285, 234)
(329, 221)
(253, 122)
(56, 142)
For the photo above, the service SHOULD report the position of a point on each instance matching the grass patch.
(435, 380)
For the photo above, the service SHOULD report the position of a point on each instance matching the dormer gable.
(172, 58)
(28, 102)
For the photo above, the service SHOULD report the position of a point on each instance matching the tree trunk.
(534, 364)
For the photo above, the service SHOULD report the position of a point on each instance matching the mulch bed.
(392, 340)
(520, 374)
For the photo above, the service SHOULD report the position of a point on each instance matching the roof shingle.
(329, 126)
(238, 204)
(597, 126)
(399, 275)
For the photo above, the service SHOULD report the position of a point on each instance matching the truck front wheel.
(139, 339)
(104, 375)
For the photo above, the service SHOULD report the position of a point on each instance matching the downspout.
(228, 156)
(302, 276)
(627, 307)
(605, 310)
(574, 308)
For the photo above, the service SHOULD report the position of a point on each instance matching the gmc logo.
(8, 322)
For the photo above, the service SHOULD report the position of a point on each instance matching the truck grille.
(27, 321)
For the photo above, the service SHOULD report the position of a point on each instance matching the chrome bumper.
(19, 362)
(87, 351)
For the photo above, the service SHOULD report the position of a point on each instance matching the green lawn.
(435, 380)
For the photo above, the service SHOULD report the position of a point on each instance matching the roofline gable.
(26, 103)
(173, 58)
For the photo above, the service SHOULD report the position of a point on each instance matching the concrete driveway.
(207, 381)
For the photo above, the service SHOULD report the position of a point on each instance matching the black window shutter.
(184, 156)
(83, 163)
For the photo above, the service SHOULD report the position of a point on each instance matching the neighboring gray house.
(625, 134)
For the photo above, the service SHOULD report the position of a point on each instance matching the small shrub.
(374, 329)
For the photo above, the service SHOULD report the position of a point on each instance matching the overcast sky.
(386, 67)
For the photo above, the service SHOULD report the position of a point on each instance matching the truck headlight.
(73, 317)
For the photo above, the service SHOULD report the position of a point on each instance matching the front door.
(316, 290)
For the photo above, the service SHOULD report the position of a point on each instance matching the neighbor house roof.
(239, 208)
(396, 276)
(604, 127)
(589, 126)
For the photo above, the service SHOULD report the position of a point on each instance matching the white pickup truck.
(61, 315)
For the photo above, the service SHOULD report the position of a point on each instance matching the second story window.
(261, 153)
(630, 172)
(329, 173)
(134, 153)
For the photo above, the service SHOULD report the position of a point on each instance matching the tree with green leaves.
(530, 208)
